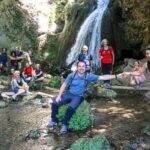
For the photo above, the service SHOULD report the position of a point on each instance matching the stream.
(121, 120)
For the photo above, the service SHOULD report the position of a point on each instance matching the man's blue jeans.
(67, 97)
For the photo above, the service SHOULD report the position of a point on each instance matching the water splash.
(91, 28)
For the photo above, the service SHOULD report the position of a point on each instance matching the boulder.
(30, 97)
(96, 143)
(3, 104)
(97, 90)
(81, 120)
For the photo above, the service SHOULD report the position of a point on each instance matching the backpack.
(103, 48)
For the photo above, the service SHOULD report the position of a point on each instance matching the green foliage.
(147, 130)
(16, 25)
(55, 82)
(33, 134)
(81, 120)
(97, 143)
(36, 85)
(60, 7)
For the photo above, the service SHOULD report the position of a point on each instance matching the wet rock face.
(126, 26)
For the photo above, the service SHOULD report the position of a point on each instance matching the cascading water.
(90, 28)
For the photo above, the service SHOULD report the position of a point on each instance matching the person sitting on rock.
(19, 86)
(77, 82)
(145, 67)
(27, 73)
(38, 73)
(136, 80)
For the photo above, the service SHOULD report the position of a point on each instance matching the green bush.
(36, 85)
(81, 120)
(147, 130)
(97, 143)
(55, 82)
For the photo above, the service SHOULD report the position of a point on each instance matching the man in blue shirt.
(77, 83)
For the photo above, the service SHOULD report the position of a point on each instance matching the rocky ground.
(122, 120)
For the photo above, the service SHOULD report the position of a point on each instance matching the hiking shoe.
(63, 129)
(52, 124)
(137, 86)
(107, 85)
(13, 98)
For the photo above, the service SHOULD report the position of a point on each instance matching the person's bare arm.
(109, 77)
(62, 89)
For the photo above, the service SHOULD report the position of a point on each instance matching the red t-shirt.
(106, 55)
(28, 71)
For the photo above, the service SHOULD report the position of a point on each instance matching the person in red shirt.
(136, 80)
(27, 72)
(106, 54)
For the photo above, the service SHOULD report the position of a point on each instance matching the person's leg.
(106, 69)
(17, 92)
(39, 79)
(54, 106)
(75, 102)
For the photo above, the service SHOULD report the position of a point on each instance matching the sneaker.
(107, 85)
(63, 129)
(137, 86)
(13, 97)
(52, 124)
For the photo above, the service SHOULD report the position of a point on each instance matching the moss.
(81, 120)
(97, 143)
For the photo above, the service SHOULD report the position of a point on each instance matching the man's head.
(85, 49)
(147, 52)
(81, 67)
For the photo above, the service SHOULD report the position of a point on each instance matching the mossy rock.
(36, 85)
(81, 120)
(30, 97)
(146, 130)
(33, 134)
(97, 90)
(3, 104)
(55, 82)
(97, 143)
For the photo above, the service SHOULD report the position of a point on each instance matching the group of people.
(21, 75)
(76, 82)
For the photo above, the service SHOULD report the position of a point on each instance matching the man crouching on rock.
(77, 82)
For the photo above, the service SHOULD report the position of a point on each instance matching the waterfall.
(91, 28)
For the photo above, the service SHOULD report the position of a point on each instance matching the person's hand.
(58, 99)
